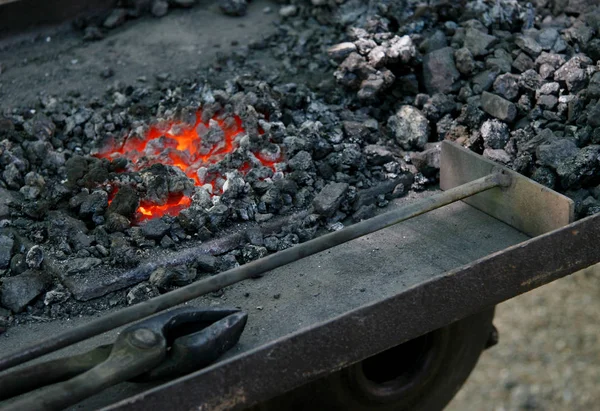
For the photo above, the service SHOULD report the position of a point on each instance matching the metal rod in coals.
(253, 269)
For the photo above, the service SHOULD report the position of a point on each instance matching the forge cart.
(373, 318)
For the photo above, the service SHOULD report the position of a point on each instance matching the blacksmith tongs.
(165, 346)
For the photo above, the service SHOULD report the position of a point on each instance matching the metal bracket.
(526, 205)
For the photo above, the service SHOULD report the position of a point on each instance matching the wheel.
(422, 374)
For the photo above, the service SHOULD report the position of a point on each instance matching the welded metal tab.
(526, 205)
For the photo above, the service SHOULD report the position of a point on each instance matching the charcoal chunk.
(484, 80)
(329, 198)
(252, 252)
(593, 116)
(125, 202)
(497, 155)
(464, 61)
(581, 169)
(12, 176)
(81, 265)
(528, 45)
(593, 89)
(375, 83)
(401, 49)
(498, 107)
(439, 71)
(530, 145)
(378, 155)
(395, 187)
(6, 249)
(217, 216)
(116, 222)
(355, 130)
(94, 204)
(573, 73)
(428, 160)
(227, 262)
(20, 290)
(164, 277)
(478, 42)
(272, 243)
(507, 86)
(34, 257)
(288, 11)
(18, 264)
(42, 127)
(76, 169)
(59, 295)
(254, 236)
(434, 42)
(301, 161)
(471, 116)
(495, 134)
(142, 292)
(547, 37)
(410, 127)
(288, 241)
(155, 229)
(544, 176)
(206, 263)
(7, 199)
(556, 151)
(547, 102)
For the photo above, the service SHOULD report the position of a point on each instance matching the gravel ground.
(548, 357)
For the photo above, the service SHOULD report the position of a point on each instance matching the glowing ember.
(187, 147)
(173, 207)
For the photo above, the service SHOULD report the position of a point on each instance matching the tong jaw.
(220, 330)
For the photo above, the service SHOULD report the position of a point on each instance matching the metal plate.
(320, 348)
(526, 205)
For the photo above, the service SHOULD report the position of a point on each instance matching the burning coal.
(191, 147)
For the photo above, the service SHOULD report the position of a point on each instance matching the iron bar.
(254, 268)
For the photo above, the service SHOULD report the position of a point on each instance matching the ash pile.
(101, 196)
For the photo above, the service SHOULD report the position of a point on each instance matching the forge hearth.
(209, 151)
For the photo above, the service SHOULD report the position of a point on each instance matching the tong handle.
(50, 372)
(136, 351)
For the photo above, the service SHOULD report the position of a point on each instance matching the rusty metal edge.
(316, 351)
(525, 205)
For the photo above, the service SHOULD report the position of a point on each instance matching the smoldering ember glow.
(190, 147)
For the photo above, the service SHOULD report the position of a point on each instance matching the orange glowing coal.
(187, 147)
(173, 206)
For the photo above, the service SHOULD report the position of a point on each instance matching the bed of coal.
(121, 179)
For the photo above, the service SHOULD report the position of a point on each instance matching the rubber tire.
(464, 341)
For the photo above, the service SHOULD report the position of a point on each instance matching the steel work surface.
(324, 286)
(370, 268)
